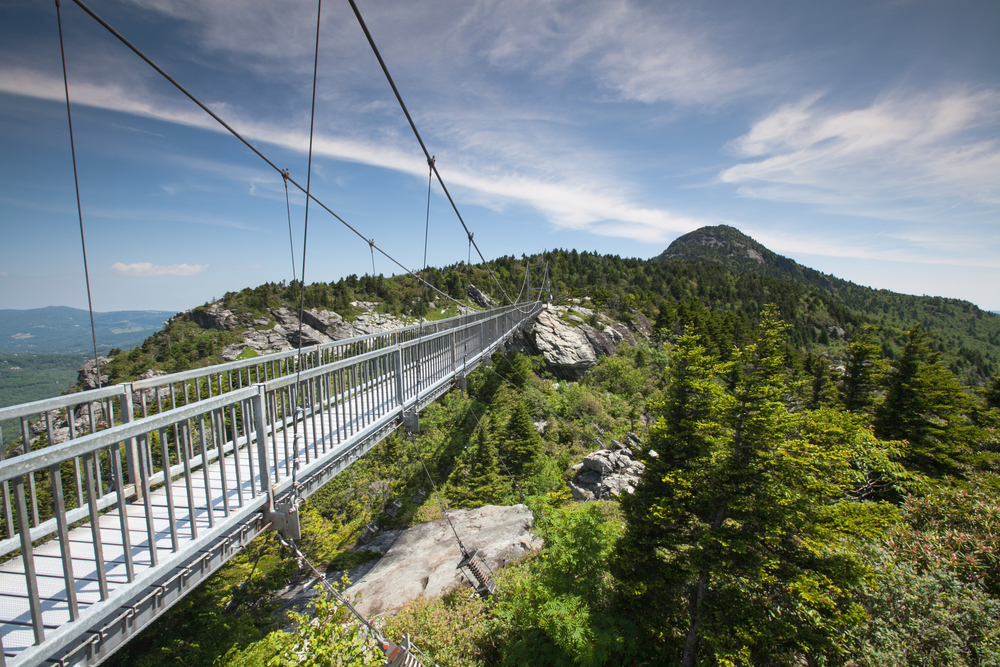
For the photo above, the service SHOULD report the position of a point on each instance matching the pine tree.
(725, 517)
(520, 444)
(484, 485)
(992, 393)
(863, 371)
(926, 405)
(824, 391)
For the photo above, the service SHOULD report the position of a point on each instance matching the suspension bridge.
(161, 481)
(120, 500)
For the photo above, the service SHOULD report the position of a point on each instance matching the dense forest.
(823, 311)
(785, 517)
(821, 480)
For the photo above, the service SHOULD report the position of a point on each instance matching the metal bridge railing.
(126, 504)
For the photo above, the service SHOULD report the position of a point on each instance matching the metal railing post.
(260, 421)
(400, 395)
(131, 449)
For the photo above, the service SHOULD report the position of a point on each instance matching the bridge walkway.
(112, 557)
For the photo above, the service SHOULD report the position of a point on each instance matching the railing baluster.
(145, 471)
(168, 487)
(220, 449)
(91, 461)
(115, 461)
(28, 559)
(187, 450)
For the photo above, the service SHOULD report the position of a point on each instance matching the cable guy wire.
(305, 231)
(79, 206)
(246, 143)
(430, 158)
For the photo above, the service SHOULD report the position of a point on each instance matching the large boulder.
(566, 348)
(285, 317)
(304, 335)
(147, 395)
(604, 344)
(321, 320)
(422, 561)
(213, 317)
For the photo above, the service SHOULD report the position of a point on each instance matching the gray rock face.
(565, 348)
(285, 317)
(321, 320)
(213, 317)
(86, 374)
(479, 297)
(422, 560)
(309, 336)
(604, 345)
(232, 352)
(148, 394)
(606, 473)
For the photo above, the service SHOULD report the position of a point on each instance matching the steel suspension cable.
(437, 494)
(413, 126)
(79, 205)
(288, 208)
(341, 598)
(244, 141)
(305, 231)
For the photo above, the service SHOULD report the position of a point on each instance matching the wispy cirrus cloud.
(918, 157)
(150, 270)
(579, 199)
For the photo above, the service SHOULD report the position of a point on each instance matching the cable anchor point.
(284, 175)
(431, 161)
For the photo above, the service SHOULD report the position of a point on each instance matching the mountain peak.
(728, 246)
(716, 242)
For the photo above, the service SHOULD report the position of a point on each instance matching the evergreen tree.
(862, 373)
(520, 444)
(925, 405)
(726, 516)
(824, 390)
(992, 393)
(484, 484)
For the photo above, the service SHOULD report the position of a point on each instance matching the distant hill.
(63, 330)
(965, 330)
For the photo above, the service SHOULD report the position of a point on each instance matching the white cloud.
(4, 274)
(147, 269)
(575, 198)
(906, 157)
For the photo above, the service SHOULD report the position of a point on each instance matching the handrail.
(206, 465)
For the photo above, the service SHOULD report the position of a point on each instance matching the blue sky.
(859, 138)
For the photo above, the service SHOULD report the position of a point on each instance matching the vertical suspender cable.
(413, 126)
(305, 231)
(288, 208)
(79, 206)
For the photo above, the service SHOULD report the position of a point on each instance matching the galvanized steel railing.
(136, 498)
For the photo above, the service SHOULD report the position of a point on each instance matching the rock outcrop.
(213, 317)
(607, 472)
(479, 297)
(147, 395)
(566, 348)
(422, 560)
(86, 375)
